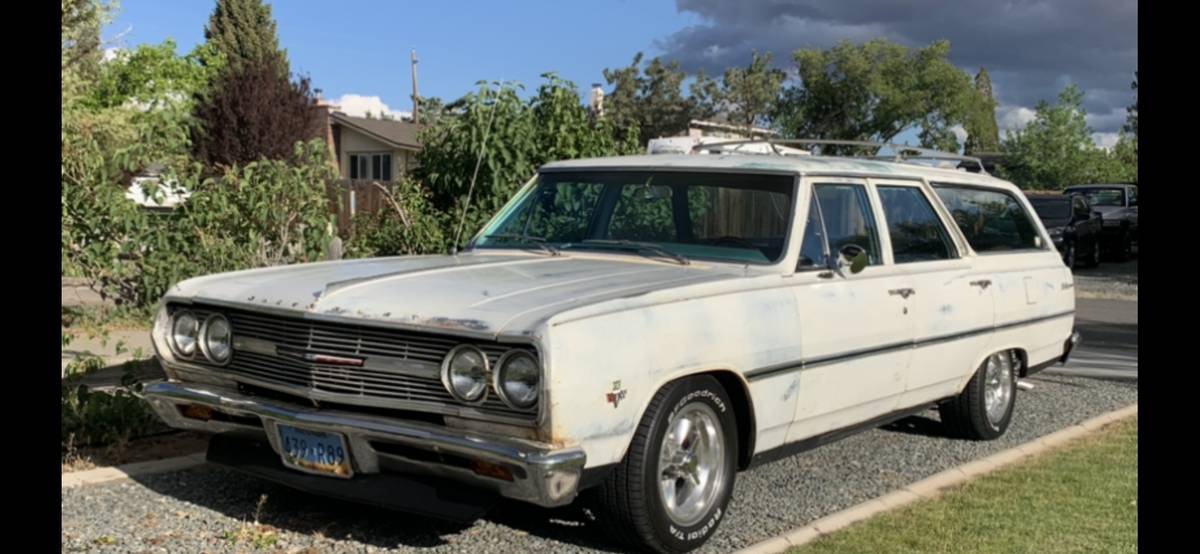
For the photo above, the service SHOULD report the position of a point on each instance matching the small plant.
(254, 533)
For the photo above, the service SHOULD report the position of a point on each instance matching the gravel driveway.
(194, 510)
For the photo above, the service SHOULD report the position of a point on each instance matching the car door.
(951, 306)
(855, 332)
(1087, 227)
(1031, 288)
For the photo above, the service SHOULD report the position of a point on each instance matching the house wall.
(354, 142)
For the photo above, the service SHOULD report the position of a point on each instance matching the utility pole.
(415, 97)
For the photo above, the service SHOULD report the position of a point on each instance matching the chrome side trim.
(803, 364)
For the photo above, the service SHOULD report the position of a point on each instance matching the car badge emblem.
(617, 395)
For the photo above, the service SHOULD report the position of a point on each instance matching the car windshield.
(1102, 197)
(1052, 208)
(674, 216)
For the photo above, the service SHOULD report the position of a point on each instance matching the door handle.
(983, 284)
(902, 293)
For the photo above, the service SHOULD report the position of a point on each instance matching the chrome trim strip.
(803, 364)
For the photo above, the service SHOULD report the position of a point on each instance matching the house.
(371, 149)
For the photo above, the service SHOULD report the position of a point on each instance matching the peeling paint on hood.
(473, 293)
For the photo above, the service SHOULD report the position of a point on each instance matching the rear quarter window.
(991, 220)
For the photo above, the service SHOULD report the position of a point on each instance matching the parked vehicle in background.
(1072, 224)
(1118, 205)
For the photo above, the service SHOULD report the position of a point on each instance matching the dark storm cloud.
(1030, 48)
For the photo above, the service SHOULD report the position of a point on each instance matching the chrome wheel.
(998, 389)
(691, 464)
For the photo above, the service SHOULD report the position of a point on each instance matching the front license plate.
(314, 451)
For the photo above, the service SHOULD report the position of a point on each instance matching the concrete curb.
(934, 485)
(109, 474)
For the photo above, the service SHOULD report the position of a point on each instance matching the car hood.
(472, 294)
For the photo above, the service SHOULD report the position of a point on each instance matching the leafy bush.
(515, 138)
(407, 224)
(264, 213)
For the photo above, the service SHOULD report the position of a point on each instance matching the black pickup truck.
(1118, 205)
(1073, 226)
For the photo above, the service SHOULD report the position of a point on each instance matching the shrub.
(407, 224)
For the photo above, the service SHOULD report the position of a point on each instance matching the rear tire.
(985, 407)
(674, 485)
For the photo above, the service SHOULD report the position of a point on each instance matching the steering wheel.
(736, 241)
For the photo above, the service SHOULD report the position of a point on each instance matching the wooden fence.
(350, 197)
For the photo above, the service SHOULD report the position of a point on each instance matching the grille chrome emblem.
(324, 359)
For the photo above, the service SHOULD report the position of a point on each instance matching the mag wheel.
(984, 409)
(673, 487)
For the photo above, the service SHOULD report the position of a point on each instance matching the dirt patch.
(138, 450)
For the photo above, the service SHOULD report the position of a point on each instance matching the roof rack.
(901, 152)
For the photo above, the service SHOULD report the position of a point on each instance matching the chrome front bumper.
(540, 474)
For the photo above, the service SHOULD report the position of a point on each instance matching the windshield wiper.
(536, 241)
(641, 247)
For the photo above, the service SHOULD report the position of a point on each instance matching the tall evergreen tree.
(244, 31)
(751, 92)
(1131, 112)
(983, 135)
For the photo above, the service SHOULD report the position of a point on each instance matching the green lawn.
(1079, 498)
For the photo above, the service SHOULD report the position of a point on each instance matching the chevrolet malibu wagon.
(629, 332)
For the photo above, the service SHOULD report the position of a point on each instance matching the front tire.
(674, 485)
(1069, 255)
(985, 407)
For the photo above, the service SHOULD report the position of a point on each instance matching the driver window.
(848, 220)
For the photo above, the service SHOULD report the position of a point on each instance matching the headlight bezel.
(203, 339)
(448, 381)
(172, 335)
(498, 378)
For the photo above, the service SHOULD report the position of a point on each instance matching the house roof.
(400, 134)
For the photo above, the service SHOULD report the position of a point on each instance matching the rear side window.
(917, 233)
(991, 220)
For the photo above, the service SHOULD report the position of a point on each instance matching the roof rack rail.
(901, 152)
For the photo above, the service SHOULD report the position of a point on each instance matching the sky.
(357, 51)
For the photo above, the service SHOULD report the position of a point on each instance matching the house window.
(371, 166)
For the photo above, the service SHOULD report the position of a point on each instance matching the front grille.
(404, 370)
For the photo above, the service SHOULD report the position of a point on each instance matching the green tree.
(509, 139)
(750, 93)
(983, 135)
(874, 91)
(243, 31)
(1055, 150)
(651, 98)
(1131, 112)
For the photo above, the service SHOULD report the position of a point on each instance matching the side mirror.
(856, 256)
(1098, 214)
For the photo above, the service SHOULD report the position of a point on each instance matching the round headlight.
(217, 339)
(185, 331)
(465, 373)
(518, 379)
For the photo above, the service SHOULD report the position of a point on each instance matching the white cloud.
(1014, 118)
(1105, 140)
(358, 105)
(110, 54)
(960, 133)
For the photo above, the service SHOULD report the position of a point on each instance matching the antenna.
(470, 190)
(416, 97)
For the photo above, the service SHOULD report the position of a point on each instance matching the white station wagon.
(636, 329)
